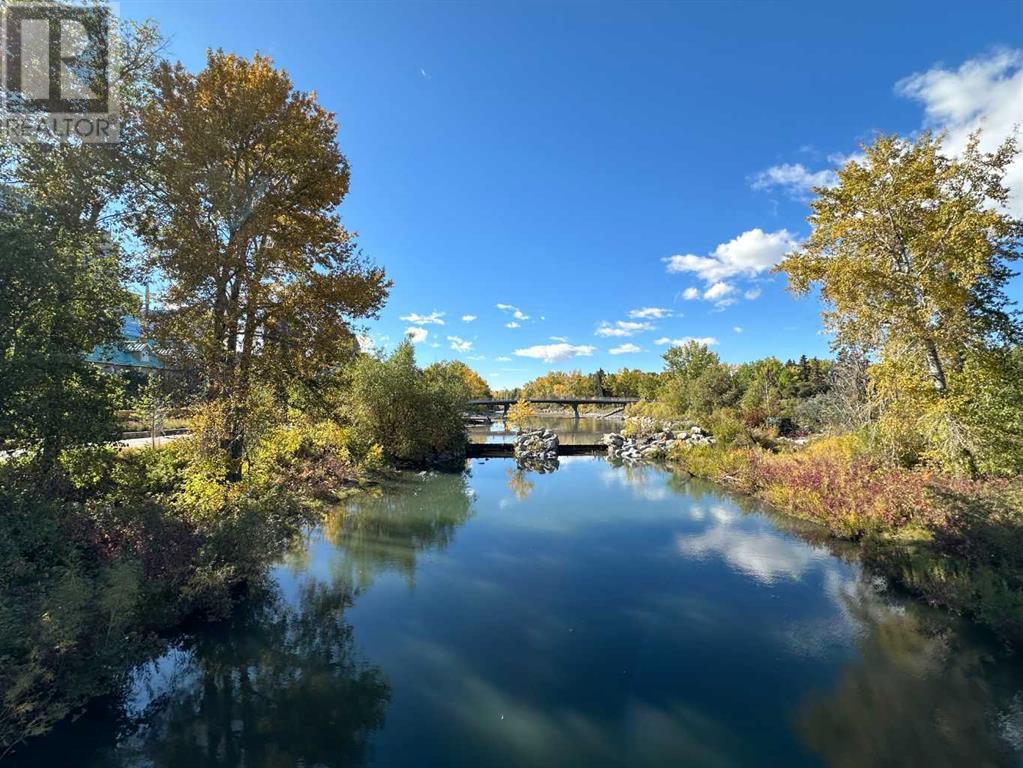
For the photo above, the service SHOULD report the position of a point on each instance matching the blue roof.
(131, 353)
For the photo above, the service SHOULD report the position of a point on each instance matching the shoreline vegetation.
(956, 543)
(104, 552)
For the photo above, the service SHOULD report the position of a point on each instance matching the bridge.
(575, 402)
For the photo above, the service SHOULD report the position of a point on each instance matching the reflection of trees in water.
(276, 685)
(916, 696)
(519, 483)
(386, 531)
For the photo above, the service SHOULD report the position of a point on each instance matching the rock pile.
(536, 445)
(655, 445)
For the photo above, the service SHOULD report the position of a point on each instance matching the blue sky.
(552, 170)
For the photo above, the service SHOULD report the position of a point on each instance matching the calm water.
(586, 429)
(595, 616)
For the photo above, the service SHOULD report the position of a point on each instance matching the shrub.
(414, 416)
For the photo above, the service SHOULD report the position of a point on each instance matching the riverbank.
(955, 543)
(121, 547)
(600, 614)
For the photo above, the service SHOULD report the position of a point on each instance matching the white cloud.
(417, 335)
(709, 341)
(623, 328)
(434, 318)
(749, 254)
(766, 557)
(559, 338)
(459, 344)
(468, 318)
(986, 93)
(366, 343)
(691, 293)
(503, 359)
(718, 291)
(624, 349)
(752, 293)
(793, 178)
(552, 353)
(650, 313)
(512, 324)
(737, 329)
(516, 313)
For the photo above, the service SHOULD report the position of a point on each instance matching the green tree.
(413, 415)
(62, 272)
(696, 382)
(60, 296)
(239, 213)
(911, 251)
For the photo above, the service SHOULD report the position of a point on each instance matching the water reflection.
(570, 430)
(386, 530)
(916, 695)
(519, 482)
(599, 615)
(279, 684)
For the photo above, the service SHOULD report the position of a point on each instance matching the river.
(598, 615)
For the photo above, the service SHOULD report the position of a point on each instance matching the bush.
(414, 416)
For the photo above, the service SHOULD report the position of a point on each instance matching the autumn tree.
(911, 251)
(475, 385)
(239, 214)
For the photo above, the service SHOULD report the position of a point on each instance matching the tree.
(696, 381)
(476, 387)
(63, 275)
(60, 296)
(413, 415)
(911, 251)
(238, 210)
(689, 360)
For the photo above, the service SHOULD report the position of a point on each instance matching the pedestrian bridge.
(574, 402)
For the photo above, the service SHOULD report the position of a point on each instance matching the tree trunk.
(934, 365)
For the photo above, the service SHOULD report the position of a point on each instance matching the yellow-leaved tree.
(911, 251)
(238, 212)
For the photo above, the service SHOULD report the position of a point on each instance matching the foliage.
(125, 544)
(696, 381)
(632, 382)
(239, 213)
(521, 411)
(61, 294)
(476, 387)
(911, 251)
(415, 416)
(62, 274)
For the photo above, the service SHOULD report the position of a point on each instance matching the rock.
(653, 442)
(537, 449)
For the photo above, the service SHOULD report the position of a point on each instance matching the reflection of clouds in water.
(1010, 723)
(535, 732)
(644, 483)
(819, 637)
(765, 556)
